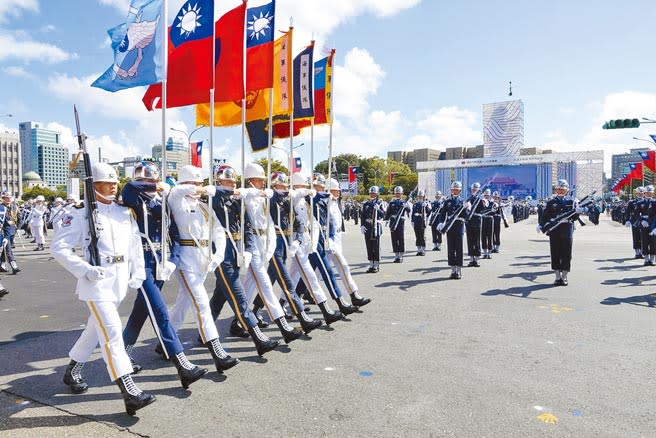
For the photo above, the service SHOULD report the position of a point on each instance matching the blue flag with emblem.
(137, 49)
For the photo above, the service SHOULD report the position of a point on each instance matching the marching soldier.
(561, 236)
(420, 212)
(56, 213)
(199, 231)
(395, 218)
(452, 222)
(228, 286)
(8, 219)
(36, 221)
(436, 207)
(487, 224)
(143, 197)
(103, 287)
(280, 209)
(474, 223)
(335, 232)
(646, 210)
(633, 221)
(371, 215)
(498, 216)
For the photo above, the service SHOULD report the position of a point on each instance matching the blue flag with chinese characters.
(137, 49)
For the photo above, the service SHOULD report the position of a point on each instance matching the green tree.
(276, 166)
(50, 195)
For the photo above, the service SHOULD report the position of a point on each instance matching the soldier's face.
(397, 195)
(455, 192)
(106, 189)
(228, 183)
(258, 183)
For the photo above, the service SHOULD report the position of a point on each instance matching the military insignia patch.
(67, 221)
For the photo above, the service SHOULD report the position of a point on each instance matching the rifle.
(553, 223)
(89, 195)
(448, 223)
(401, 213)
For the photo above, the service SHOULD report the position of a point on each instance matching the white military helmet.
(487, 192)
(495, 194)
(40, 198)
(421, 193)
(649, 189)
(226, 172)
(298, 179)
(476, 186)
(456, 185)
(145, 170)
(318, 180)
(103, 172)
(253, 170)
(511, 198)
(562, 184)
(374, 189)
(58, 199)
(334, 185)
(190, 174)
(438, 193)
(640, 189)
(398, 189)
(529, 198)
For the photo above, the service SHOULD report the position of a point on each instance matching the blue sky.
(409, 73)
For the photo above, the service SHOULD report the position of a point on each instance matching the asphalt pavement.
(500, 353)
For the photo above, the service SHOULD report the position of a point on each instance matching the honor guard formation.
(272, 251)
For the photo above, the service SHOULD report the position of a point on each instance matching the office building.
(620, 162)
(52, 164)
(33, 134)
(11, 174)
(177, 154)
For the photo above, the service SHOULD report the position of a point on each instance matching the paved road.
(500, 353)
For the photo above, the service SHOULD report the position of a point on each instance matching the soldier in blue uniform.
(633, 221)
(647, 211)
(395, 218)
(474, 223)
(228, 286)
(452, 222)
(420, 213)
(8, 219)
(142, 195)
(436, 207)
(562, 236)
(371, 215)
(280, 208)
(498, 216)
(487, 224)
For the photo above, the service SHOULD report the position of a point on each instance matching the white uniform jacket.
(119, 247)
(265, 232)
(192, 217)
(36, 215)
(336, 222)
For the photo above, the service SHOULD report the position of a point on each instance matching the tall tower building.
(11, 175)
(503, 128)
(32, 134)
(177, 154)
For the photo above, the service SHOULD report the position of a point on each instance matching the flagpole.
(210, 179)
(165, 60)
(330, 146)
(243, 127)
(312, 146)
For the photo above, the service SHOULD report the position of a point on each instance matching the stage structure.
(519, 176)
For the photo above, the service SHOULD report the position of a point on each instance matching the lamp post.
(7, 115)
(286, 151)
(188, 137)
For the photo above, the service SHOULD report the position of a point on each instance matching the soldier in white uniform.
(264, 235)
(306, 237)
(103, 287)
(335, 232)
(35, 220)
(199, 228)
(56, 214)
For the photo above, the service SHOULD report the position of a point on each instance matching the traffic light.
(621, 124)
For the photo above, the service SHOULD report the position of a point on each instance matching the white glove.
(95, 273)
(440, 226)
(363, 229)
(579, 210)
(331, 246)
(268, 193)
(644, 224)
(210, 190)
(653, 232)
(293, 248)
(628, 224)
(214, 263)
(247, 259)
(164, 271)
(538, 229)
(135, 283)
(468, 205)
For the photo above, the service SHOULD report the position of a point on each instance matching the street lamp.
(642, 139)
(7, 115)
(188, 136)
(286, 151)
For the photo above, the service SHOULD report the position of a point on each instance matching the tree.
(276, 166)
(342, 163)
(50, 195)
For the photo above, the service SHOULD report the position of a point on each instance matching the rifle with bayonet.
(566, 215)
(89, 195)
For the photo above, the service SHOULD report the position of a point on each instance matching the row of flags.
(636, 170)
(237, 56)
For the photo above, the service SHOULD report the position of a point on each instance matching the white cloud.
(17, 71)
(5, 128)
(13, 8)
(450, 126)
(120, 5)
(359, 78)
(27, 50)
(48, 28)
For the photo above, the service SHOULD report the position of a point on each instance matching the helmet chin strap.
(108, 198)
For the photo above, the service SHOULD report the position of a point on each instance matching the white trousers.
(192, 293)
(37, 232)
(337, 258)
(103, 327)
(301, 268)
(257, 281)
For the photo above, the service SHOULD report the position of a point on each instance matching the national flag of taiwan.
(303, 95)
(323, 86)
(649, 158)
(137, 49)
(297, 165)
(196, 154)
(259, 46)
(636, 171)
(190, 61)
(653, 137)
(352, 173)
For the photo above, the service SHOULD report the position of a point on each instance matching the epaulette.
(78, 206)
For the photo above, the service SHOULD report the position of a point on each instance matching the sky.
(408, 73)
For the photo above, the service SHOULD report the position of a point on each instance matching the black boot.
(346, 309)
(187, 371)
(237, 330)
(329, 315)
(133, 397)
(3, 291)
(289, 334)
(73, 378)
(262, 343)
(359, 301)
(14, 267)
(136, 368)
(222, 360)
(308, 324)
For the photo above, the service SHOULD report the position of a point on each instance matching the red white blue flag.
(196, 154)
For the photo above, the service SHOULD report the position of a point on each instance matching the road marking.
(366, 373)
(538, 408)
(329, 369)
(548, 418)
(555, 308)
(43, 316)
(577, 413)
